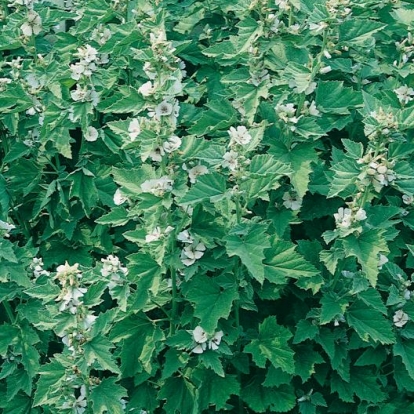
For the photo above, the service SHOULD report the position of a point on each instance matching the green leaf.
(272, 345)
(282, 260)
(366, 248)
(369, 323)
(261, 399)
(98, 349)
(405, 349)
(334, 98)
(118, 216)
(215, 390)
(372, 298)
(345, 176)
(8, 336)
(305, 329)
(250, 247)
(83, 187)
(332, 306)
(356, 31)
(106, 397)
(127, 99)
(208, 187)
(179, 393)
(212, 297)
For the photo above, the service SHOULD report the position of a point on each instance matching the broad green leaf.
(215, 390)
(405, 349)
(305, 360)
(106, 397)
(213, 299)
(208, 187)
(354, 31)
(98, 349)
(272, 345)
(305, 329)
(366, 247)
(260, 399)
(83, 187)
(128, 99)
(334, 98)
(369, 323)
(179, 393)
(118, 216)
(282, 260)
(366, 385)
(250, 248)
(332, 306)
(8, 336)
(345, 176)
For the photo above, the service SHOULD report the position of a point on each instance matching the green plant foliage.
(206, 206)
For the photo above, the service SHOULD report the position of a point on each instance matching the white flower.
(294, 203)
(214, 342)
(194, 172)
(163, 109)
(407, 199)
(6, 226)
(33, 26)
(192, 252)
(343, 217)
(154, 235)
(230, 160)
(91, 134)
(172, 144)
(64, 272)
(156, 154)
(185, 237)
(382, 259)
(71, 298)
(88, 321)
(325, 69)
(119, 198)
(146, 89)
(313, 110)
(404, 94)
(239, 136)
(157, 186)
(400, 318)
(134, 129)
(199, 335)
(361, 214)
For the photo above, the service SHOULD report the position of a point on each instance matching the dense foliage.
(207, 206)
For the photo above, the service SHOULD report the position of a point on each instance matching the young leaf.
(106, 397)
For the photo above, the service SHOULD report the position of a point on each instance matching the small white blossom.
(146, 89)
(156, 154)
(155, 235)
(157, 186)
(192, 252)
(6, 227)
(199, 335)
(37, 267)
(185, 237)
(113, 270)
(214, 342)
(230, 160)
(404, 94)
(400, 318)
(172, 144)
(382, 260)
(33, 25)
(196, 171)
(293, 203)
(239, 136)
(343, 217)
(361, 214)
(163, 109)
(70, 298)
(91, 134)
(134, 129)
(119, 198)
(407, 199)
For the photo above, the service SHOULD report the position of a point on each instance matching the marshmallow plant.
(206, 206)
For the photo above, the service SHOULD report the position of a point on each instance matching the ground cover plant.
(206, 206)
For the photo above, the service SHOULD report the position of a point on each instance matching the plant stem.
(174, 309)
(9, 312)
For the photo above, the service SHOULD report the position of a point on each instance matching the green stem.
(174, 309)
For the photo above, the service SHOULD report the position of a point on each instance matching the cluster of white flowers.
(88, 59)
(193, 249)
(36, 266)
(158, 186)
(386, 124)
(284, 5)
(203, 341)
(376, 171)
(113, 271)
(404, 94)
(84, 94)
(287, 113)
(292, 202)
(239, 136)
(345, 217)
(101, 34)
